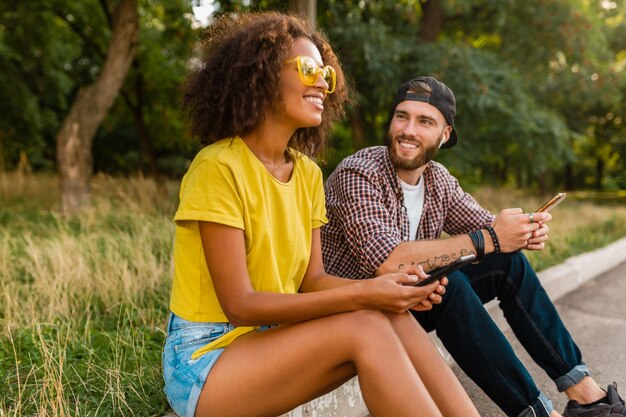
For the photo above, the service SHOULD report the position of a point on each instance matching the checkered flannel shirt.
(367, 217)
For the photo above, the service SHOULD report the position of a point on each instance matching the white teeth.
(315, 100)
(407, 145)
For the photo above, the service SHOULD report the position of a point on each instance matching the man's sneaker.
(613, 408)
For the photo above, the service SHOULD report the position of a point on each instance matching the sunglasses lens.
(310, 72)
(330, 77)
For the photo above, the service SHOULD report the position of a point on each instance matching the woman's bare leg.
(269, 373)
(442, 384)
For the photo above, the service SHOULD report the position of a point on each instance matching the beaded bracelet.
(494, 238)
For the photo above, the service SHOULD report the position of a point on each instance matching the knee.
(520, 270)
(511, 261)
(365, 326)
(459, 300)
(458, 287)
(515, 275)
(367, 320)
(516, 259)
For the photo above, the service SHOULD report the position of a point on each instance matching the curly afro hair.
(237, 79)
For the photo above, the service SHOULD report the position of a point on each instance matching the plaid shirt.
(367, 217)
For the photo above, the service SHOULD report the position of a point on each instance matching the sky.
(203, 11)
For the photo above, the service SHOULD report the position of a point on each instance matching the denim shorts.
(185, 377)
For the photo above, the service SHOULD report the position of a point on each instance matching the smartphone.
(553, 202)
(436, 274)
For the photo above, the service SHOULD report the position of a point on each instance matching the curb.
(347, 400)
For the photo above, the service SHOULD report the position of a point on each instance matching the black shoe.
(612, 408)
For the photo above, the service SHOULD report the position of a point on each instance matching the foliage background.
(540, 84)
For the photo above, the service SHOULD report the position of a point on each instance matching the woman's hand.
(396, 292)
(436, 297)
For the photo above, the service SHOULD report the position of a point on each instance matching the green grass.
(83, 300)
(83, 367)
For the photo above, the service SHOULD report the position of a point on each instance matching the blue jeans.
(483, 352)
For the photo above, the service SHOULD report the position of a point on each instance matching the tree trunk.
(92, 103)
(306, 8)
(147, 153)
(432, 20)
(2, 165)
(543, 182)
(569, 177)
(356, 126)
(599, 173)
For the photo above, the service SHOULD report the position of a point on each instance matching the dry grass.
(83, 299)
(115, 252)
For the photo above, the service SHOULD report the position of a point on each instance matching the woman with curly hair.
(256, 326)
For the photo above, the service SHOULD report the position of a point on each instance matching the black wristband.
(494, 238)
(479, 243)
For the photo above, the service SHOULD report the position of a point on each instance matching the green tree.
(526, 75)
(36, 50)
(91, 105)
(149, 101)
(540, 81)
(50, 48)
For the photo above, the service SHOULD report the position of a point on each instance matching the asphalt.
(595, 314)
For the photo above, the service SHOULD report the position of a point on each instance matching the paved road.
(595, 315)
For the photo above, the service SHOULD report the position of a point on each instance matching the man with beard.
(387, 207)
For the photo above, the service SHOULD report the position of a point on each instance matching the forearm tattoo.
(437, 261)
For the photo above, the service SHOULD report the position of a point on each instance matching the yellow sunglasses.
(309, 72)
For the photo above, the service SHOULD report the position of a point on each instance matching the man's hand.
(516, 231)
(539, 238)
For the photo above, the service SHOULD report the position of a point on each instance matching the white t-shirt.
(414, 202)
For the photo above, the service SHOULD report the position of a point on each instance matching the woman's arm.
(316, 279)
(224, 251)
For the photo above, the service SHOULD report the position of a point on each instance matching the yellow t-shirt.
(227, 184)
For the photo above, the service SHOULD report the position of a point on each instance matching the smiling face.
(301, 106)
(416, 132)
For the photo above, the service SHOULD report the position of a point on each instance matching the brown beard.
(427, 154)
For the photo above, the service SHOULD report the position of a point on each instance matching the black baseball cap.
(441, 97)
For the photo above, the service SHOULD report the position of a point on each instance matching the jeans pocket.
(198, 335)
